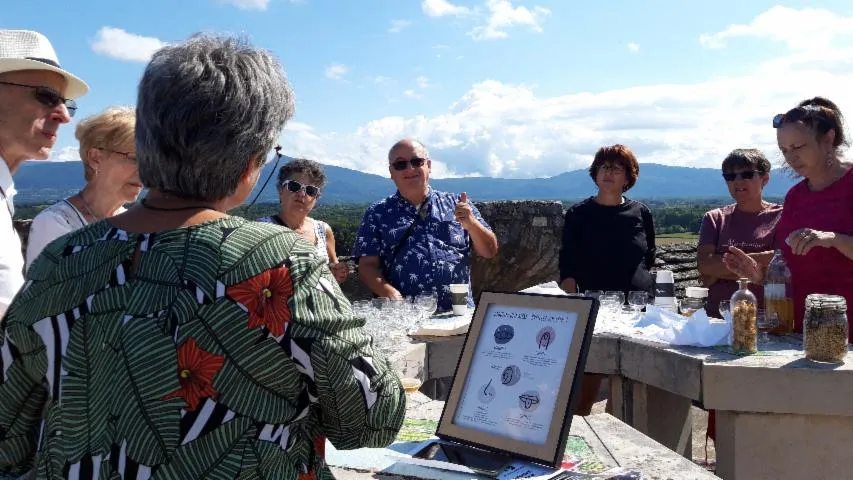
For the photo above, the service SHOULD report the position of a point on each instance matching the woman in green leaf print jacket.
(174, 341)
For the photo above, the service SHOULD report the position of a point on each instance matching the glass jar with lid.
(825, 328)
(744, 330)
(695, 299)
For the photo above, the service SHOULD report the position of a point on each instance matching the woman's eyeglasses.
(748, 175)
(402, 164)
(127, 155)
(48, 97)
(293, 186)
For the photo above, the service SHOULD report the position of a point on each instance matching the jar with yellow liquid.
(778, 304)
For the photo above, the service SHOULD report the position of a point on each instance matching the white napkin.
(700, 330)
(549, 288)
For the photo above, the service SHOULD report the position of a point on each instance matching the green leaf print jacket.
(221, 350)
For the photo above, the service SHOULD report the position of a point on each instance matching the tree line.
(670, 216)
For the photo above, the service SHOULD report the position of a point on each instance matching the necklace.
(86, 206)
(144, 203)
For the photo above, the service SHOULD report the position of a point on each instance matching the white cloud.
(803, 29)
(442, 8)
(511, 130)
(336, 71)
(398, 26)
(116, 43)
(412, 94)
(65, 154)
(381, 80)
(423, 82)
(503, 16)
(248, 4)
(633, 47)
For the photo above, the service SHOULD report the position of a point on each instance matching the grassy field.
(670, 238)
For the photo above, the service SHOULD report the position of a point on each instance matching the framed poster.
(519, 375)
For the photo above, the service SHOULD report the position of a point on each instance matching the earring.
(828, 159)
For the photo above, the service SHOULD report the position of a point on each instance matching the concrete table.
(778, 415)
(612, 442)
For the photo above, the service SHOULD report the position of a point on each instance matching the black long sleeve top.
(608, 247)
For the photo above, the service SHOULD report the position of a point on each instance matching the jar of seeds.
(825, 328)
(743, 333)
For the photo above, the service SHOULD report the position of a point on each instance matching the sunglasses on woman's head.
(48, 97)
(731, 177)
(402, 163)
(796, 114)
(293, 186)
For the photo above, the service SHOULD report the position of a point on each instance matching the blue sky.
(510, 88)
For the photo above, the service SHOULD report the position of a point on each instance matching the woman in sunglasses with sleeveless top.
(749, 224)
(300, 183)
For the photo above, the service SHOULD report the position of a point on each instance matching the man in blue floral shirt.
(419, 240)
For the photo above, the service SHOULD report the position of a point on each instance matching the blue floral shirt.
(435, 254)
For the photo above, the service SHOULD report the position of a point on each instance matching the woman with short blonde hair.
(108, 155)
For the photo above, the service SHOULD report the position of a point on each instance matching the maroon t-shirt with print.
(751, 232)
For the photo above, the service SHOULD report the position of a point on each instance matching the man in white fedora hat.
(36, 97)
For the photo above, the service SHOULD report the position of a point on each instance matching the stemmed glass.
(610, 304)
(765, 325)
(426, 303)
(726, 310)
(619, 296)
(637, 300)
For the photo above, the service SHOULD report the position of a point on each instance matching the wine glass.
(765, 325)
(638, 299)
(610, 304)
(726, 310)
(619, 296)
(593, 293)
(411, 373)
(427, 303)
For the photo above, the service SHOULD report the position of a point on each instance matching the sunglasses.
(48, 97)
(293, 186)
(731, 177)
(402, 164)
(797, 114)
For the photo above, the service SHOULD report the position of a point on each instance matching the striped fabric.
(222, 350)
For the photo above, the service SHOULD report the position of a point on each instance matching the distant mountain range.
(44, 182)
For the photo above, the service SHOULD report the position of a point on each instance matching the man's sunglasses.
(48, 97)
(748, 175)
(293, 186)
(402, 164)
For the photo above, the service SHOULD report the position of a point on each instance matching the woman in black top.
(608, 240)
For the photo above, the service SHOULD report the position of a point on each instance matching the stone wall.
(529, 234)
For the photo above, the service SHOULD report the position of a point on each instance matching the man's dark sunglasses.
(796, 114)
(294, 186)
(402, 164)
(748, 175)
(48, 97)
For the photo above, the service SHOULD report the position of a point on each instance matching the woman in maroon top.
(749, 224)
(815, 231)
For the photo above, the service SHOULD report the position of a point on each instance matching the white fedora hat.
(28, 50)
